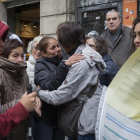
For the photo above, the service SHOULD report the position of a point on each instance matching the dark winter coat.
(109, 72)
(119, 52)
(49, 74)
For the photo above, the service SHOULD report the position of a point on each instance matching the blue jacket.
(49, 74)
(109, 72)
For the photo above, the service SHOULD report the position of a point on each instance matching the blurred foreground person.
(136, 34)
(97, 43)
(19, 112)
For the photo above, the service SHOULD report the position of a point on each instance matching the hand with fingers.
(29, 101)
(74, 59)
(38, 106)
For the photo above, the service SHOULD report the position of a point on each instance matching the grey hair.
(114, 11)
(31, 44)
(91, 36)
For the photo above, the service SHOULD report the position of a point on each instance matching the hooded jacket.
(79, 81)
(4, 29)
(30, 71)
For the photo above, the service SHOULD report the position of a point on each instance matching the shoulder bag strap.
(93, 89)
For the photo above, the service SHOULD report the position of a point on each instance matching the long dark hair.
(135, 22)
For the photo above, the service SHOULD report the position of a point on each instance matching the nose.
(20, 59)
(111, 21)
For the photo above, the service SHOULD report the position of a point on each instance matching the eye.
(15, 55)
(108, 19)
(134, 35)
(22, 55)
(114, 18)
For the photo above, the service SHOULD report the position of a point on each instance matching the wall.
(54, 12)
(3, 12)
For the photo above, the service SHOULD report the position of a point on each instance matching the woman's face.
(36, 53)
(17, 55)
(137, 35)
(91, 43)
(53, 49)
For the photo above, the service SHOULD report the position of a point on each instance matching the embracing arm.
(70, 88)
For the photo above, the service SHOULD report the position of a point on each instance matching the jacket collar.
(55, 60)
(15, 70)
(32, 60)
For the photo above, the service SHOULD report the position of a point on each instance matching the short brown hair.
(10, 45)
(70, 34)
(101, 46)
(43, 44)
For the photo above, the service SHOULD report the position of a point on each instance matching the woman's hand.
(38, 106)
(74, 59)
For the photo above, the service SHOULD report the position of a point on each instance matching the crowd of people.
(60, 71)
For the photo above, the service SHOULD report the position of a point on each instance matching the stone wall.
(54, 12)
(3, 12)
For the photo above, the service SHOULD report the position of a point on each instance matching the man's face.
(1, 46)
(113, 22)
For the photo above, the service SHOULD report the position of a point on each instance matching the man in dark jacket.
(117, 38)
(19, 112)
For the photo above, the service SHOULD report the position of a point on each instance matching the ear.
(43, 54)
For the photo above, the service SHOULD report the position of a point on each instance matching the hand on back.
(74, 59)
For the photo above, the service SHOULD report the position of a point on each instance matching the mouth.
(37, 55)
(137, 46)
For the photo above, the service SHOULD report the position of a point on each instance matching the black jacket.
(109, 72)
(49, 74)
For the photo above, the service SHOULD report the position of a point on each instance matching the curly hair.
(135, 22)
(100, 44)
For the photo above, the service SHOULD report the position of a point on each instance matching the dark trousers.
(41, 131)
(86, 137)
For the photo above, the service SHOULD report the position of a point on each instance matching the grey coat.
(80, 78)
(119, 52)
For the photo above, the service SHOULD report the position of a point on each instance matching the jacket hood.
(4, 29)
(32, 60)
(95, 57)
(15, 70)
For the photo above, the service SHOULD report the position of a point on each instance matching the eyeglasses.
(92, 45)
